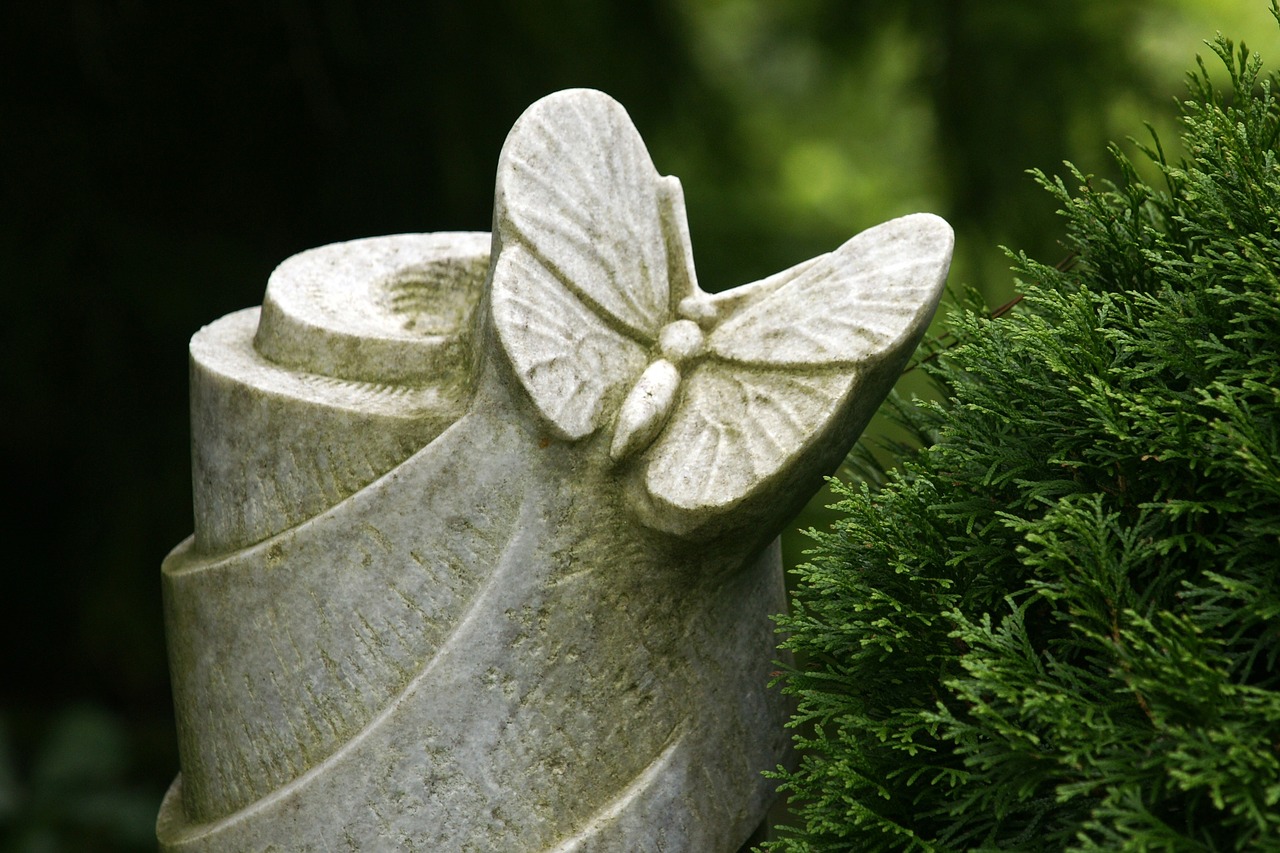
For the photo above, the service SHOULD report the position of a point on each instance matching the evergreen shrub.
(1056, 625)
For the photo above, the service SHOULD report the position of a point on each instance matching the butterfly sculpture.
(597, 305)
(536, 618)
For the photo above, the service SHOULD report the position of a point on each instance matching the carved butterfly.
(597, 306)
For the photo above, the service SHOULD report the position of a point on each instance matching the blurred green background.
(160, 159)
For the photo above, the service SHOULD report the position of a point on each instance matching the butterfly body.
(681, 341)
(645, 410)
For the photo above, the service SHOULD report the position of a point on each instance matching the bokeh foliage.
(160, 159)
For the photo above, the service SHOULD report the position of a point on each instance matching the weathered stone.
(483, 550)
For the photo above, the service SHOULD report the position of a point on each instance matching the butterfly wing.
(877, 290)
(579, 201)
(566, 357)
(796, 370)
(735, 426)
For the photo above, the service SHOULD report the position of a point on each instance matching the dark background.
(160, 159)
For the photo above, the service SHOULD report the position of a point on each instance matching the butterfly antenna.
(675, 231)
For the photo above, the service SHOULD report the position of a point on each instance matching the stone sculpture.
(482, 557)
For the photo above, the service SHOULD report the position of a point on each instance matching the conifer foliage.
(1056, 626)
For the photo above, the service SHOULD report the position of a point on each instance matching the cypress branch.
(1055, 626)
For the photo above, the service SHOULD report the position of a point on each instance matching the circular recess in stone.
(392, 310)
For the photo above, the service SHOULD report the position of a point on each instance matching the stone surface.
(484, 551)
